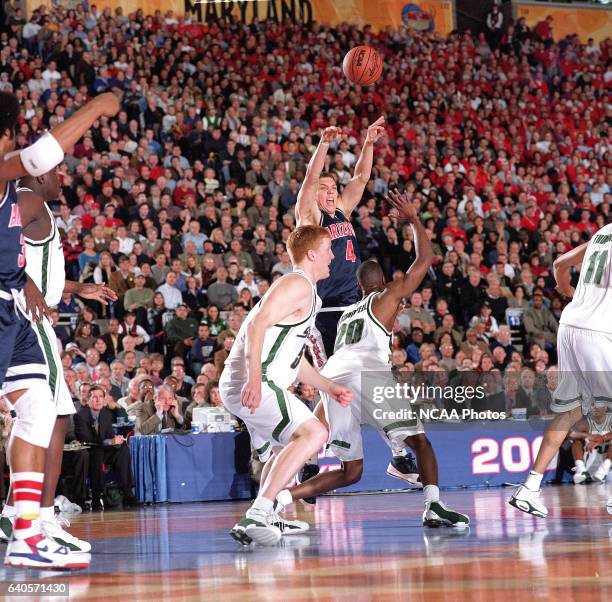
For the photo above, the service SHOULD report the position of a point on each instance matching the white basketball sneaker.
(601, 473)
(41, 552)
(53, 529)
(289, 527)
(528, 501)
(258, 527)
(580, 473)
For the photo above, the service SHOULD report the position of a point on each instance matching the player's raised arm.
(289, 297)
(562, 269)
(353, 192)
(48, 151)
(386, 303)
(307, 211)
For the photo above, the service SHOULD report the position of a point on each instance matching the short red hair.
(304, 238)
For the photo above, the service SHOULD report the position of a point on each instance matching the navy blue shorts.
(21, 359)
(327, 324)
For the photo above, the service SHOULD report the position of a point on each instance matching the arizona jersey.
(591, 306)
(340, 288)
(45, 263)
(362, 341)
(281, 353)
(12, 242)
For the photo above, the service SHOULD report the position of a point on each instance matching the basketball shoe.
(405, 468)
(53, 529)
(580, 473)
(308, 472)
(257, 526)
(6, 525)
(602, 472)
(38, 551)
(528, 501)
(438, 514)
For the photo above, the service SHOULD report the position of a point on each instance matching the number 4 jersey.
(591, 306)
(341, 288)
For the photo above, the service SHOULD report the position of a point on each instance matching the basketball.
(362, 65)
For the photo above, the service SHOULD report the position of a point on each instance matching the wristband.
(42, 156)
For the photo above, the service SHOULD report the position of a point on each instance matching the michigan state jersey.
(281, 353)
(45, 263)
(12, 243)
(591, 305)
(362, 340)
(600, 428)
(340, 289)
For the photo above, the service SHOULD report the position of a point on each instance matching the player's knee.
(317, 434)
(353, 472)
(418, 442)
(35, 416)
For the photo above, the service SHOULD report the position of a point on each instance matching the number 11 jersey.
(591, 305)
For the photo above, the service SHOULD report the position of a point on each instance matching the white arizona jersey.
(45, 263)
(361, 340)
(591, 306)
(281, 353)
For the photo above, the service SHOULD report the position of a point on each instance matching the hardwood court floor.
(361, 547)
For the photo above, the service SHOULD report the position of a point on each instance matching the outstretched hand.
(406, 209)
(376, 131)
(331, 134)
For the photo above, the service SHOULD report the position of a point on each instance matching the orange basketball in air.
(362, 65)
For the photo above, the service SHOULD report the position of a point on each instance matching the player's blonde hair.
(304, 238)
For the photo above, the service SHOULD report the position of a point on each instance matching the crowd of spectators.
(183, 203)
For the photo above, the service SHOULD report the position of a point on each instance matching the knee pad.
(35, 411)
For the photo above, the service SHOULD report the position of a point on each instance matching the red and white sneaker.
(41, 552)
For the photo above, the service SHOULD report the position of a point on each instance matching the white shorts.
(57, 383)
(278, 416)
(345, 438)
(585, 369)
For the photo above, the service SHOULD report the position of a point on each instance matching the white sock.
(8, 510)
(534, 481)
(284, 498)
(431, 493)
(262, 504)
(47, 513)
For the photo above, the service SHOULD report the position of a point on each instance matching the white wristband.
(42, 156)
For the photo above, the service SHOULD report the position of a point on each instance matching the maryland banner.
(426, 15)
(586, 21)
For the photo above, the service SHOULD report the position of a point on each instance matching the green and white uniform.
(584, 340)
(280, 412)
(361, 362)
(593, 460)
(45, 266)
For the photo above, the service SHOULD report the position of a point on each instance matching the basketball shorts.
(345, 439)
(585, 369)
(47, 340)
(22, 363)
(274, 422)
(327, 324)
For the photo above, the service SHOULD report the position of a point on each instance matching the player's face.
(327, 195)
(322, 258)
